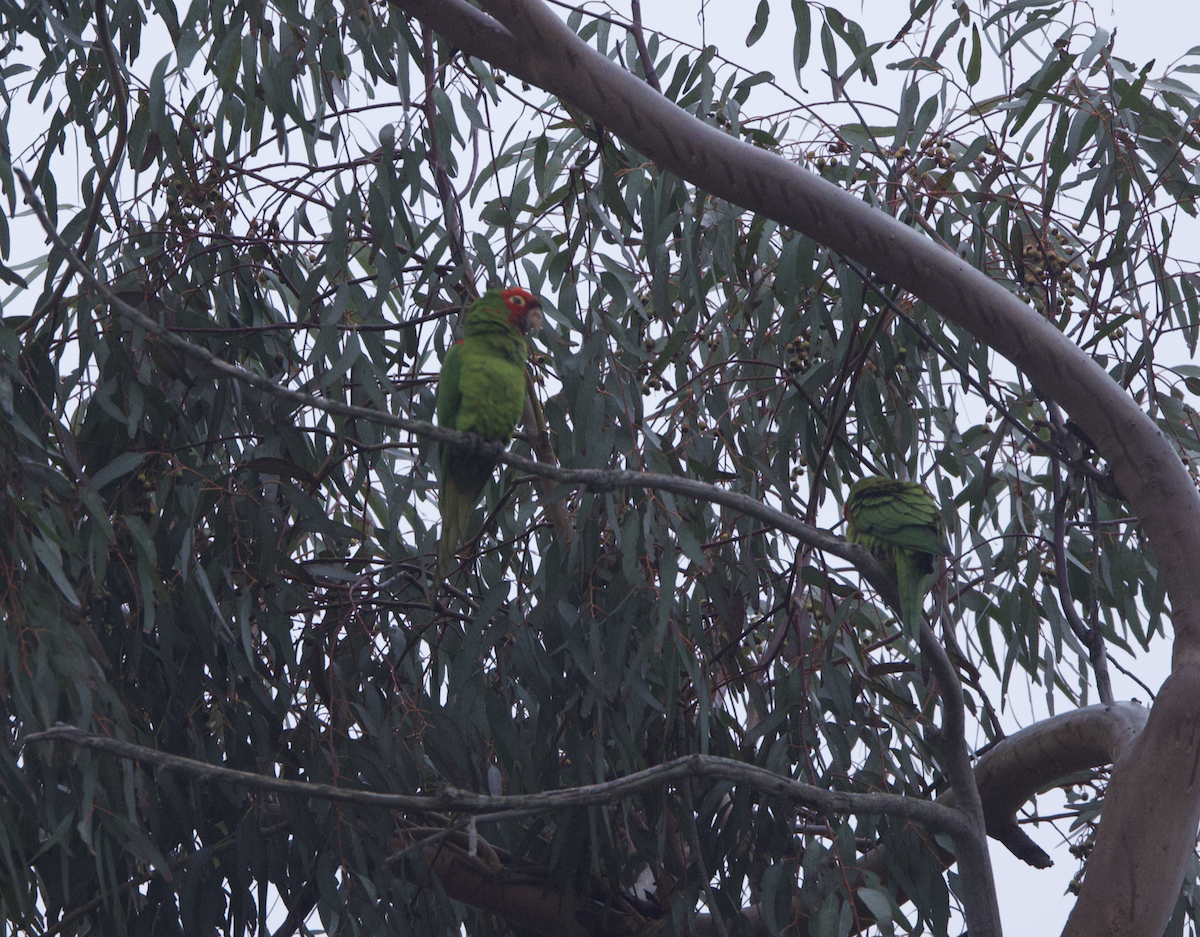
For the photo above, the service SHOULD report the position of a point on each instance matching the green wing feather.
(449, 391)
(454, 505)
(899, 522)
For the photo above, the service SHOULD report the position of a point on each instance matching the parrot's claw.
(476, 445)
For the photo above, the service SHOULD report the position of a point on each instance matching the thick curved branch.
(474, 32)
(1019, 766)
(1142, 859)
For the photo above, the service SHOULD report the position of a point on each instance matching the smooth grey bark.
(1152, 796)
(1019, 766)
(1127, 885)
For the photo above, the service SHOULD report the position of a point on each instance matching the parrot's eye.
(518, 301)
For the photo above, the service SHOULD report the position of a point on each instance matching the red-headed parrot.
(900, 524)
(481, 390)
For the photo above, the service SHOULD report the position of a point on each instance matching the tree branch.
(933, 816)
(441, 177)
(1091, 638)
(1008, 775)
(1142, 860)
(977, 886)
(1019, 766)
(639, 37)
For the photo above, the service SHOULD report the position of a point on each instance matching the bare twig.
(639, 37)
(437, 165)
(1092, 638)
(976, 882)
(933, 816)
(534, 418)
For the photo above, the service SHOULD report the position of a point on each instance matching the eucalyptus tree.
(660, 690)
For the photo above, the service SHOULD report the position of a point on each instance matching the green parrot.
(481, 390)
(900, 524)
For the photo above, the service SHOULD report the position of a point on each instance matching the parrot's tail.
(463, 481)
(456, 513)
(910, 578)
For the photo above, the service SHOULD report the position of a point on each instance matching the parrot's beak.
(531, 321)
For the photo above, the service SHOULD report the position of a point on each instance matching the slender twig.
(853, 361)
(437, 165)
(1092, 638)
(639, 37)
(1135, 678)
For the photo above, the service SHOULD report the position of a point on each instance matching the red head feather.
(524, 309)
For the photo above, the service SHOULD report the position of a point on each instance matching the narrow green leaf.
(51, 557)
(760, 22)
(803, 18)
(123, 464)
(975, 65)
(918, 11)
(829, 51)
(878, 903)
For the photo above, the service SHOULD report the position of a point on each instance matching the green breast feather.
(481, 390)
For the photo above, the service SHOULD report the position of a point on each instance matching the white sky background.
(1032, 901)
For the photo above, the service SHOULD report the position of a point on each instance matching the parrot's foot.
(478, 446)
